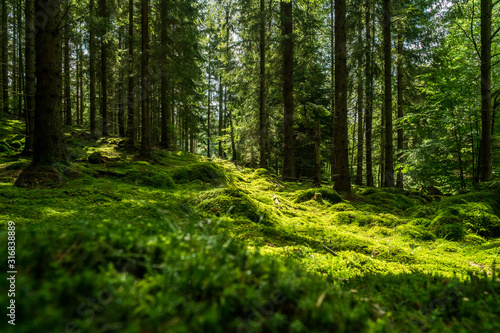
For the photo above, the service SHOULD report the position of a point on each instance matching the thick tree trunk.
(5, 75)
(92, 53)
(130, 95)
(165, 110)
(359, 162)
(49, 143)
(21, 91)
(104, 73)
(29, 54)
(369, 98)
(389, 147)
(146, 135)
(288, 140)
(399, 181)
(263, 112)
(342, 177)
(67, 78)
(485, 158)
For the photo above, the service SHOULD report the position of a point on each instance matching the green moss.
(479, 219)
(207, 172)
(342, 207)
(448, 225)
(234, 202)
(365, 219)
(154, 179)
(473, 239)
(415, 231)
(327, 194)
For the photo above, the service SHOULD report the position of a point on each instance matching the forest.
(250, 165)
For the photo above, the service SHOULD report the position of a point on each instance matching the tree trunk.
(317, 153)
(5, 76)
(221, 152)
(332, 85)
(121, 107)
(92, 73)
(165, 110)
(485, 158)
(342, 177)
(130, 102)
(369, 98)
(263, 112)
(67, 78)
(104, 73)
(29, 52)
(21, 90)
(209, 97)
(389, 154)
(49, 143)
(288, 141)
(359, 162)
(399, 181)
(146, 135)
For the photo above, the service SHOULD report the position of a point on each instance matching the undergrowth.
(182, 243)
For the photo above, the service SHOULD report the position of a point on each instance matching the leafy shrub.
(448, 225)
(327, 194)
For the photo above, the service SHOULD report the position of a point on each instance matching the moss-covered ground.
(182, 243)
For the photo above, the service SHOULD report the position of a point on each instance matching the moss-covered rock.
(448, 225)
(154, 179)
(205, 171)
(343, 207)
(327, 194)
(235, 202)
(479, 219)
(96, 158)
(473, 239)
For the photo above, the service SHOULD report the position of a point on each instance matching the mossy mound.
(416, 231)
(365, 219)
(154, 179)
(420, 211)
(235, 202)
(342, 207)
(327, 194)
(205, 171)
(479, 219)
(473, 239)
(448, 225)
(385, 200)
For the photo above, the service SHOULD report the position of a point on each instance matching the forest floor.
(183, 243)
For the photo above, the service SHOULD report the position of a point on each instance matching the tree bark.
(130, 95)
(165, 110)
(49, 143)
(485, 159)
(104, 72)
(263, 112)
(288, 140)
(121, 92)
(146, 135)
(359, 162)
(67, 78)
(5, 75)
(369, 98)
(92, 72)
(399, 181)
(29, 54)
(332, 85)
(317, 152)
(221, 151)
(209, 97)
(342, 177)
(389, 149)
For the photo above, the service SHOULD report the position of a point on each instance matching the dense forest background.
(401, 93)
